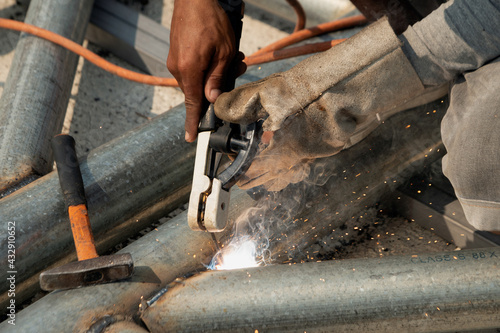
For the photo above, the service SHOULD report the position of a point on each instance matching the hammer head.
(87, 272)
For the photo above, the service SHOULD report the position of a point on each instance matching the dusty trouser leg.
(471, 134)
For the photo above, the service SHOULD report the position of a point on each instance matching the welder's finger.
(241, 66)
(222, 70)
(216, 76)
(270, 180)
(250, 181)
(194, 101)
(262, 171)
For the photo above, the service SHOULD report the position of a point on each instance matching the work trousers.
(471, 134)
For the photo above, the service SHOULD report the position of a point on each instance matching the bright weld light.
(239, 254)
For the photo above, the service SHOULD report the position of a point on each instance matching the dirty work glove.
(324, 104)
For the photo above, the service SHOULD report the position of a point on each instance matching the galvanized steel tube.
(436, 292)
(37, 90)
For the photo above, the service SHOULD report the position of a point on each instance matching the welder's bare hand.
(202, 46)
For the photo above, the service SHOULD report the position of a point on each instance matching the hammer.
(90, 268)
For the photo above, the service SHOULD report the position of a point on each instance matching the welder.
(413, 53)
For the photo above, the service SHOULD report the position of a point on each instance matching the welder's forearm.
(459, 36)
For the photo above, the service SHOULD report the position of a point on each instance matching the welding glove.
(324, 104)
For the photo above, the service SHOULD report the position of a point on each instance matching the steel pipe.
(37, 90)
(124, 327)
(436, 292)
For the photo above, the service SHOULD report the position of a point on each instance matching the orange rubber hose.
(291, 52)
(320, 29)
(301, 15)
(87, 54)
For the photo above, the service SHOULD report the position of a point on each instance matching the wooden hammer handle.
(70, 178)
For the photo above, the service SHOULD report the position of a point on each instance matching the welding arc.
(266, 54)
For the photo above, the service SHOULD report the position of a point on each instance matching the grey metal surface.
(435, 292)
(37, 90)
(130, 35)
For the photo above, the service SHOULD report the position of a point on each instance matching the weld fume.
(259, 226)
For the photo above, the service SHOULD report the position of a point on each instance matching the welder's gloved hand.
(202, 46)
(324, 104)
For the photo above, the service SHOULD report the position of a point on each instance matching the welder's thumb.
(269, 98)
